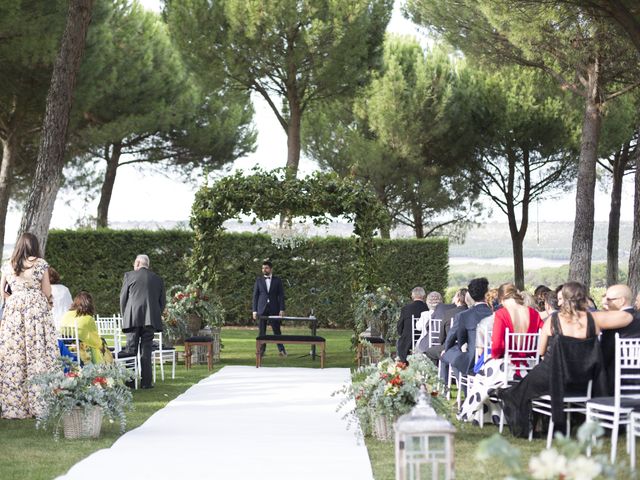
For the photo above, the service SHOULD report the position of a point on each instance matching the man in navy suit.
(268, 299)
(463, 330)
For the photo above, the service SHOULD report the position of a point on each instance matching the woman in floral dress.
(28, 344)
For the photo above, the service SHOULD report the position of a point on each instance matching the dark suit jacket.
(441, 309)
(445, 326)
(268, 302)
(608, 344)
(464, 330)
(405, 327)
(142, 300)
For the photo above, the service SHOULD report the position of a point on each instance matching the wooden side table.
(198, 341)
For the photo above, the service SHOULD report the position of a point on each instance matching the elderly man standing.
(405, 324)
(617, 297)
(142, 300)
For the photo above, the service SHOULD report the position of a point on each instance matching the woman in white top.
(61, 297)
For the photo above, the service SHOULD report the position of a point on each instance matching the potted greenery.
(378, 312)
(190, 308)
(80, 397)
(381, 393)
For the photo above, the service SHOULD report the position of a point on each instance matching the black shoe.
(146, 387)
(283, 353)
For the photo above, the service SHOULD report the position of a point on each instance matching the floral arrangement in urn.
(566, 462)
(384, 391)
(189, 308)
(379, 311)
(94, 385)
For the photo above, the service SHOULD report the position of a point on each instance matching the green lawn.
(26, 453)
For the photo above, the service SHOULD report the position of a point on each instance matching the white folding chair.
(572, 404)
(521, 347)
(634, 431)
(162, 355)
(69, 336)
(434, 331)
(417, 323)
(110, 328)
(485, 350)
(612, 412)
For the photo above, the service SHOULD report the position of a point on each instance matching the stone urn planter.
(82, 424)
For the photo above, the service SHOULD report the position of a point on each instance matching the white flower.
(548, 465)
(110, 382)
(583, 468)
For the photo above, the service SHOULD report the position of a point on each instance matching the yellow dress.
(93, 348)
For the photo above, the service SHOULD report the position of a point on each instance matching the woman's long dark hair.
(26, 246)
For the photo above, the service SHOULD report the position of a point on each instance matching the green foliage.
(101, 385)
(320, 274)
(269, 194)
(96, 260)
(378, 310)
(407, 133)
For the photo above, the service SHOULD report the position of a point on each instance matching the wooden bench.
(290, 339)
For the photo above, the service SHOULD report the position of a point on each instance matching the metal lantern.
(424, 443)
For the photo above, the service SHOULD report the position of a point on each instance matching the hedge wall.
(318, 275)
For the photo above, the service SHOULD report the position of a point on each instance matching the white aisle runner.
(241, 423)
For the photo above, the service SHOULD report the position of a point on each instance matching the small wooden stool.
(202, 341)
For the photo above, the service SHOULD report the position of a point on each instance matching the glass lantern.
(424, 443)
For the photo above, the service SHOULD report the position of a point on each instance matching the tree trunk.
(613, 236)
(582, 244)
(50, 162)
(418, 221)
(293, 137)
(385, 231)
(113, 161)
(634, 253)
(8, 156)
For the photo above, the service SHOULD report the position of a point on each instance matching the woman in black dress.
(572, 357)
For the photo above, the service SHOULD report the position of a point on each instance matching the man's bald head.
(618, 297)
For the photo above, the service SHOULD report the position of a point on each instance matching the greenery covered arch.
(266, 195)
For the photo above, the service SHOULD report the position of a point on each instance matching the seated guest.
(463, 330)
(93, 348)
(459, 305)
(550, 304)
(61, 297)
(405, 324)
(617, 298)
(539, 294)
(572, 357)
(434, 300)
(517, 318)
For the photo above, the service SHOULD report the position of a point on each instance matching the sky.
(140, 195)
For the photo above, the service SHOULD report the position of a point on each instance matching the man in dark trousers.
(142, 301)
(405, 324)
(268, 299)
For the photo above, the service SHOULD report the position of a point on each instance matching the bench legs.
(187, 353)
(259, 344)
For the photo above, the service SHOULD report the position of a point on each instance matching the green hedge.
(318, 275)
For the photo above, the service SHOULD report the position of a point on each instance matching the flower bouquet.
(84, 394)
(189, 308)
(383, 392)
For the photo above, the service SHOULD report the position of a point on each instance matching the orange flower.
(397, 381)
